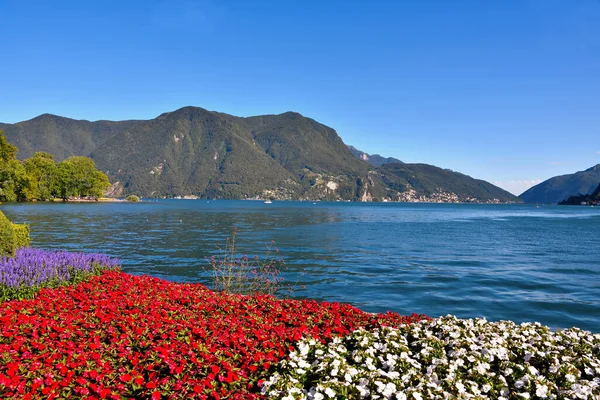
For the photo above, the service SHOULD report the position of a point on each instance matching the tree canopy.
(40, 178)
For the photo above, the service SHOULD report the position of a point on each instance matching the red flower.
(168, 339)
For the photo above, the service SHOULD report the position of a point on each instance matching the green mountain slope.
(437, 183)
(192, 151)
(559, 188)
(583, 199)
(62, 137)
(298, 142)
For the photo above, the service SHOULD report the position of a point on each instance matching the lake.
(513, 262)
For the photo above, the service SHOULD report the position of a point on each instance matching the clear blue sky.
(507, 91)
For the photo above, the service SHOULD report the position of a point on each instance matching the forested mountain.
(192, 151)
(583, 199)
(429, 179)
(559, 188)
(61, 137)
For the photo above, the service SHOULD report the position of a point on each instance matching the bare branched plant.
(244, 275)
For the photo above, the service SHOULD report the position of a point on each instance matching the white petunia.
(330, 393)
(541, 391)
(446, 358)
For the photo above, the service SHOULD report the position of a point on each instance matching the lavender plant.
(31, 270)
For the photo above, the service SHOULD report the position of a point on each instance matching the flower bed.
(30, 270)
(444, 358)
(117, 336)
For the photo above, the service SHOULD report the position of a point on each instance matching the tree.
(41, 172)
(77, 176)
(12, 174)
(39, 178)
(13, 178)
(64, 184)
(8, 151)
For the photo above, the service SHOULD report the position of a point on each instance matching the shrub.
(22, 238)
(132, 198)
(7, 236)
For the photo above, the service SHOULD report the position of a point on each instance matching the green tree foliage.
(40, 178)
(7, 236)
(78, 176)
(7, 151)
(12, 175)
(13, 181)
(22, 238)
(12, 236)
(41, 171)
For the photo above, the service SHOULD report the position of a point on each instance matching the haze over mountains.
(373, 159)
(559, 188)
(192, 151)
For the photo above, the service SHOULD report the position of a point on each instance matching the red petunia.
(96, 338)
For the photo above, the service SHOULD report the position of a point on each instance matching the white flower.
(519, 384)
(541, 391)
(532, 370)
(364, 392)
(304, 348)
(482, 367)
(447, 358)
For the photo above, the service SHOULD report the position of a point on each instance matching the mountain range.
(373, 159)
(561, 187)
(192, 151)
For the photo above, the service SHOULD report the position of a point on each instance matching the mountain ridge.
(194, 151)
(373, 159)
(561, 187)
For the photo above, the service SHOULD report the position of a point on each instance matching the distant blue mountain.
(373, 159)
(562, 187)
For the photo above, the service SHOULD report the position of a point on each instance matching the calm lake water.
(499, 261)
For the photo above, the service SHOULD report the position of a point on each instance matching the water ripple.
(499, 261)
